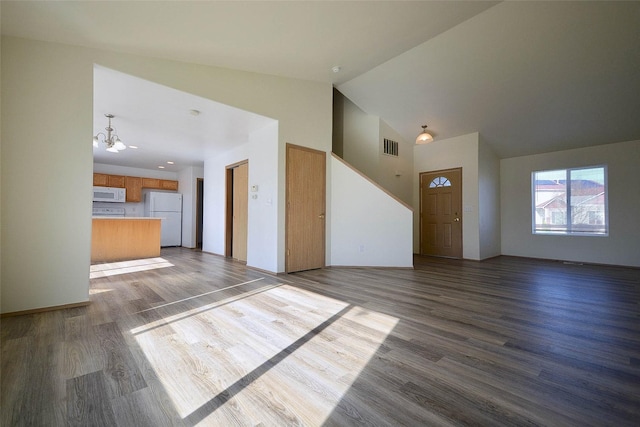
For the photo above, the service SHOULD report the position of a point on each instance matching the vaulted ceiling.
(531, 77)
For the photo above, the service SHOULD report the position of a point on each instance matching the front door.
(305, 227)
(441, 213)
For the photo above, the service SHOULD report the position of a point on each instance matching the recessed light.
(160, 167)
(194, 112)
(336, 69)
(169, 162)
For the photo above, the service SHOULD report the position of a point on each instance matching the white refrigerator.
(168, 207)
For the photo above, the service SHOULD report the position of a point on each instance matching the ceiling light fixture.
(425, 137)
(112, 142)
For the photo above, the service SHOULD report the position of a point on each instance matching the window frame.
(568, 214)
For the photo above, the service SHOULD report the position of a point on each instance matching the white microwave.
(109, 194)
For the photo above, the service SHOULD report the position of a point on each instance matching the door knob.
(321, 216)
(456, 219)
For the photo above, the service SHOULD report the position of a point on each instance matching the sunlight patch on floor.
(201, 295)
(124, 267)
(270, 355)
(172, 320)
(93, 291)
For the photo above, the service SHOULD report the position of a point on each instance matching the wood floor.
(194, 339)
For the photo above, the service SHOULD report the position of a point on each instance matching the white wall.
(395, 174)
(262, 152)
(188, 186)
(46, 253)
(129, 171)
(488, 200)
(361, 138)
(0, 175)
(361, 144)
(368, 227)
(621, 247)
(461, 151)
(46, 178)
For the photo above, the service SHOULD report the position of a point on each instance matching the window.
(440, 181)
(570, 201)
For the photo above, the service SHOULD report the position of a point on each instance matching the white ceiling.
(529, 76)
(161, 122)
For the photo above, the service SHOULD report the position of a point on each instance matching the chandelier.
(112, 142)
(425, 137)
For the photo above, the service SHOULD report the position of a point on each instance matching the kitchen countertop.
(124, 217)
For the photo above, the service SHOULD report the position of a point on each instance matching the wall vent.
(390, 147)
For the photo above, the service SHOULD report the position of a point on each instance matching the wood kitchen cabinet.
(116, 181)
(100, 179)
(133, 185)
(117, 239)
(166, 184)
(105, 180)
(150, 183)
(160, 184)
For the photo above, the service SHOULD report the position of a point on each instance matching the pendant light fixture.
(425, 137)
(112, 142)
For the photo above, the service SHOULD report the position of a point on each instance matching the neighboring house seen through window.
(570, 201)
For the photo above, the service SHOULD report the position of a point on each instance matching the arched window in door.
(440, 181)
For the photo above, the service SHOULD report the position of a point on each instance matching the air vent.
(390, 147)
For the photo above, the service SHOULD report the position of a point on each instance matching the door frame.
(199, 211)
(421, 248)
(228, 222)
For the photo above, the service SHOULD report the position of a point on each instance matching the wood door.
(441, 213)
(240, 212)
(305, 216)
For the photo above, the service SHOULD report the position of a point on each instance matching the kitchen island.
(125, 238)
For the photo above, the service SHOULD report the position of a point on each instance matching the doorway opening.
(199, 211)
(237, 206)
